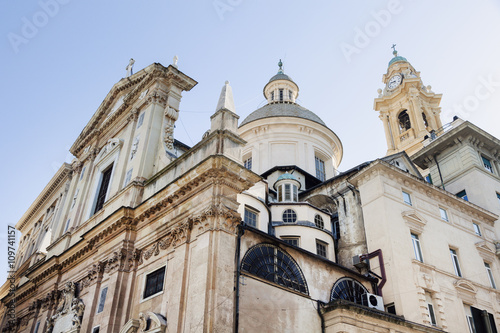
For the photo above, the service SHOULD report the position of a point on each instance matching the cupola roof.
(396, 57)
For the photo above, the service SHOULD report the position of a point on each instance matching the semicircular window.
(275, 265)
(348, 289)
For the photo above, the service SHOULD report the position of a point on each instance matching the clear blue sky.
(61, 57)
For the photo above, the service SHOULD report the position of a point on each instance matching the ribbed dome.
(282, 110)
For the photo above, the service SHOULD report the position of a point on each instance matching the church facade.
(254, 229)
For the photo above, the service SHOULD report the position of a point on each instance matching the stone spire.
(226, 99)
(225, 117)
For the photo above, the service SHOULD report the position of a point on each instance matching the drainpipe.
(321, 316)
(377, 253)
(439, 170)
(241, 231)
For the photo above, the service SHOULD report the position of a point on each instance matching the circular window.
(289, 216)
(318, 220)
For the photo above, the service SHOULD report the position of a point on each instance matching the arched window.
(289, 216)
(404, 121)
(318, 221)
(275, 265)
(348, 289)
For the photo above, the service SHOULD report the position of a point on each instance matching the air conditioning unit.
(373, 301)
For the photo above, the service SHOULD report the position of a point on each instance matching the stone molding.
(206, 221)
(414, 220)
(69, 307)
(485, 252)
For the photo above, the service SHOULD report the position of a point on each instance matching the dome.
(287, 176)
(281, 76)
(397, 59)
(282, 110)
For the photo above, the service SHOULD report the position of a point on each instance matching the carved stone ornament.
(171, 115)
(108, 148)
(69, 312)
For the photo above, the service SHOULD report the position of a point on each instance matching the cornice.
(379, 167)
(62, 174)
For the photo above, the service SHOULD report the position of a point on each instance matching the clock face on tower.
(394, 81)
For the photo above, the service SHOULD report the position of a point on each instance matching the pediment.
(129, 93)
(111, 146)
(414, 220)
(465, 286)
(485, 251)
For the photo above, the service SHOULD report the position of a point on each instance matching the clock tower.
(408, 109)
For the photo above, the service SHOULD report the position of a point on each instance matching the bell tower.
(408, 109)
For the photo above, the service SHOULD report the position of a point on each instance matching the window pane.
(490, 275)
(318, 221)
(320, 169)
(456, 265)
(154, 282)
(321, 249)
(476, 229)
(287, 193)
(406, 198)
(102, 300)
(431, 314)
(462, 194)
(444, 214)
(103, 189)
(289, 216)
(291, 240)
(416, 247)
(250, 218)
(487, 164)
(248, 163)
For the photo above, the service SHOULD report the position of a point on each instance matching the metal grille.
(275, 265)
(348, 289)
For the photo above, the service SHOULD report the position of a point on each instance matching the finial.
(227, 82)
(176, 59)
(394, 50)
(280, 64)
(130, 67)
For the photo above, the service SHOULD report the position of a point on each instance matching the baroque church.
(253, 229)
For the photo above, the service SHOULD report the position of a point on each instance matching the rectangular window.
(416, 247)
(281, 95)
(248, 163)
(498, 197)
(103, 189)
(291, 240)
(140, 120)
(476, 229)
(406, 198)
(290, 95)
(463, 195)
(432, 317)
(37, 326)
(154, 282)
(288, 195)
(321, 248)
(490, 275)
(96, 329)
(251, 217)
(320, 169)
(456, 265)
(82, 173)
(444, 214)
(487, 164)
(102, 300)
(272, 95)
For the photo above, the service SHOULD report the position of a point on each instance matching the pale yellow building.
(254, 229)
